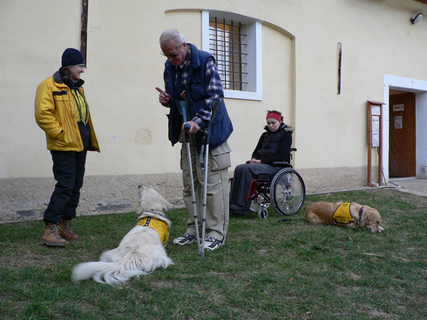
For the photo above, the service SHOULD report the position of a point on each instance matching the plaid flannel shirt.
(214, 88)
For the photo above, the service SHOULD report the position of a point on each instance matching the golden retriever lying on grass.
(141, 251)
(346, 214)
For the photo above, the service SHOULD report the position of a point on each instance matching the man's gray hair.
(172, 35)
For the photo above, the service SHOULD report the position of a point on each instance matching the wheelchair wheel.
(262, 212)
(287, 192)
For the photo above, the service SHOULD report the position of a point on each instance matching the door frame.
(419, 87)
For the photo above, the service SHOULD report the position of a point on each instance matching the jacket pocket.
(197, 90)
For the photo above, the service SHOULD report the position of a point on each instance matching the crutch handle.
(187, 127)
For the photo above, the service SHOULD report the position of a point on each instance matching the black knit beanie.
(72, 57)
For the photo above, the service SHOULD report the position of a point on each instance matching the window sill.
(243, 95)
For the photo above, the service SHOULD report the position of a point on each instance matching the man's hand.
(253, 160)
(194, 127)
(164, 97)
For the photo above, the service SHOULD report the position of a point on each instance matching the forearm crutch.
(204, 163)
(187, 140)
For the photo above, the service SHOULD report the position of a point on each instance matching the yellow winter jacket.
(54, 112)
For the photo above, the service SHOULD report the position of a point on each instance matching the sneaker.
(212, 243)
(185, 239)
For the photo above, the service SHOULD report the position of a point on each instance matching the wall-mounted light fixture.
(416, 18)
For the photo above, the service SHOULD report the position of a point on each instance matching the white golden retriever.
(140, 252)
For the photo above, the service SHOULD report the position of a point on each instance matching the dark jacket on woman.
(274, 146)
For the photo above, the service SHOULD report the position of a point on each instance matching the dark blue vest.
(196, 93)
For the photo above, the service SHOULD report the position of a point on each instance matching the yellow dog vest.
(160, 226)
(342, 214)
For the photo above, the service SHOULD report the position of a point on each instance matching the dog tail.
(104, 272)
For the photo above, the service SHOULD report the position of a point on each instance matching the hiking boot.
(51, 237)
(185, 239)
(65, 230)
(212, 243)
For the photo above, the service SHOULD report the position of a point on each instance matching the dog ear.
(141, 189)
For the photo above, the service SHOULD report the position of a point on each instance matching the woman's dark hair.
(65, 74)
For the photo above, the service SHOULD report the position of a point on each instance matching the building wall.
(299, 68)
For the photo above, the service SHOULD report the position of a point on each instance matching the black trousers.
(68, 171)
(243, 175)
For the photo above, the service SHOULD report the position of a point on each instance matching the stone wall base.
(27, 198)
(23, 199)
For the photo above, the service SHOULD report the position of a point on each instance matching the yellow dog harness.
(342, 214)
(159, 225)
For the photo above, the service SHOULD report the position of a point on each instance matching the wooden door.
(402, 135)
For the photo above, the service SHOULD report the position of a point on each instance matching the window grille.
(227, 46)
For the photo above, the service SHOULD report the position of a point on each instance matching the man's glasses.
(170, 55)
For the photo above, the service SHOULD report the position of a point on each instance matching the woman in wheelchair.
(273, 145)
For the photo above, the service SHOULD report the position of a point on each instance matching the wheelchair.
(285, 190)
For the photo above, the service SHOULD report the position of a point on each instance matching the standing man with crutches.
(192, 87)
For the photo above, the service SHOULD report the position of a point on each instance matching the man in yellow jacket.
(62, 111)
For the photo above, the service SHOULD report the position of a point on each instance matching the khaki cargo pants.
(217, 203)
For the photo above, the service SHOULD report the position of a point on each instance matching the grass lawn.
(266, 270)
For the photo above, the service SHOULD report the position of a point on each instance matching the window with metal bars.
(227, 44)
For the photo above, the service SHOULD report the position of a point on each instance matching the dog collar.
(360, 217)
(160, 213)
